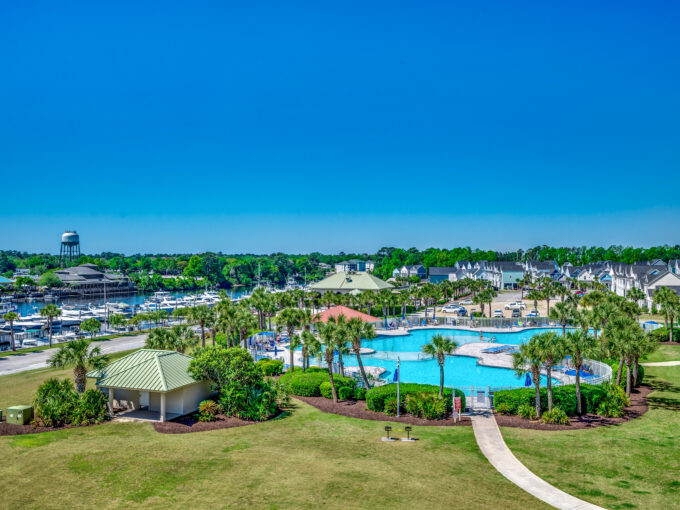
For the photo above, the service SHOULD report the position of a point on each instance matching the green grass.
(5, 354)
(307, 459)
(665, 353)
(633, 465)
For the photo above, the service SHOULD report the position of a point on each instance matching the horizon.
(324, 128)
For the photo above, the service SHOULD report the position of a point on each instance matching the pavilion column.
(163, 406)
(111, 401)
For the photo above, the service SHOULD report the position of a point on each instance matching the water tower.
(70, 247)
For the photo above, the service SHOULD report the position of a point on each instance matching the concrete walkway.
(493, 447)
(38, 359)
(661, 364)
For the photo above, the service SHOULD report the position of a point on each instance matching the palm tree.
(530, 357)
(78, 355)
(579, 344)
(668, 300)
(552, 350)
(11, 317)
(203, 316)
(178, 338)
(480, 299)
(289, 318)
(259, 300)
(563, 313)
(245, 322)
(619, 334)
(327, 332)
(311, 347)
(438, 348)
(534, 296)
(547, 293)
(341, 341)
(50, 311)
(356, 331)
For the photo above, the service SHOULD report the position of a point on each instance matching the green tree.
(529, 357)
(552, 348)
(78, 354)
(668, 300)
(91, 326)
(50, 312)
(49, 279)
(579, 344)
(439, 347)
(311, 347)
(290, 318)
(179, 338)
(203, 316)
(327, 333)
(357, 330)
(564, 313)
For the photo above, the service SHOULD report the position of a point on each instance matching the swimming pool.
(459, 371)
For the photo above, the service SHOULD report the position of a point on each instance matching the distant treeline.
(226, 270)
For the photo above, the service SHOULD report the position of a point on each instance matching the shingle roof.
(342, 281)
(147, 370)
(442, 270)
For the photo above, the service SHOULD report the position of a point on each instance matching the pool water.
(458, 370)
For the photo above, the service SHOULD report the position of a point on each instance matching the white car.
(450, 309)
(515, 305)
(498, 313)
(467, 302)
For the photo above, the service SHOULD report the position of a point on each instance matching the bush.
(614, 401)
(564, 397)
(662, 334)
(527, 411)
(55, 403)
(304, 384)
(359, 393)
(340, 382)
(346, 392)
(426, 405)
(92, 408)
(556, 416)
(375, 397)
(391, 406)
(208, 410)
(271, 367)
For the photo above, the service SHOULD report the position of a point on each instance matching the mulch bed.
(357, 409)
(638, 407)
(190, 423)
(10, 429)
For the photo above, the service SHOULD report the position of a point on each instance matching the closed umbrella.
(527, 380)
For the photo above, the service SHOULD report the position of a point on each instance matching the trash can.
(19, 415)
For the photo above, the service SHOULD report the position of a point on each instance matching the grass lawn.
(634, 465)
(664, 353)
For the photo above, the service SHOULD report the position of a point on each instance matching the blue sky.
(300, 126)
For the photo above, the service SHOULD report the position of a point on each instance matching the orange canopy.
(349, 313)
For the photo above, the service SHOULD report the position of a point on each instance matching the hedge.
(309, 383)
(564, 397)
(375, 397)
(271, 366)
(340, 384)
(662, 334)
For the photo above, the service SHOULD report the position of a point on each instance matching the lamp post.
(398, 377)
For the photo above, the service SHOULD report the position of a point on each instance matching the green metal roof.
(147, 370)
(342, 281)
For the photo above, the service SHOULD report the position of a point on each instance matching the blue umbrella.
(527, 380)
(396, 375)
(276, 350)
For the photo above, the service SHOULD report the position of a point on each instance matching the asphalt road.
(32, 360)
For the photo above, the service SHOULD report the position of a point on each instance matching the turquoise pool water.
(458, 370)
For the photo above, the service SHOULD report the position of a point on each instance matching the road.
(38, 359)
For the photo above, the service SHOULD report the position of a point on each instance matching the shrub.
(615, 399)
(375, 397)
(504, 408)
(359, 393)
(346, 392)
(391, 406)
(208, 410)
(55, 403)
(555, 416)
(92, 408)
(304, 384)
(564, 397)
(271, 367)
(662, 334)
(340, 382)
(527, 411)
(426, 405)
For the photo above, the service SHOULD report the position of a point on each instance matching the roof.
(349, 313)
(342, 281)
(442, 270)
(5, 280)
(147, 370)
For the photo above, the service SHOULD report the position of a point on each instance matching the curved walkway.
(661, 364)
(491, 442)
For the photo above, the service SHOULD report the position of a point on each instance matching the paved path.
(38, 359)
(493, 447)
(661, 364)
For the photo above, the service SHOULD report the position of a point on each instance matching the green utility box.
(0, 414)
(19, 415)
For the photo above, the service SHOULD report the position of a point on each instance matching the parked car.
(462, 312)
(516, 312)
(467, 302)
(451, 309)
(498, 313)
(515, 304)
(532, 313)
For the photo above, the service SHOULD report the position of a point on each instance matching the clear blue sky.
(299, 126)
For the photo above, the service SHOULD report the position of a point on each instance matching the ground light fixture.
(388, 429)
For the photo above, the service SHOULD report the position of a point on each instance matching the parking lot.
(504, 298)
